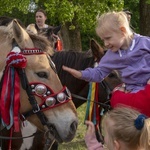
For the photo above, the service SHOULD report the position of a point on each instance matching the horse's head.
(42, 98)
(50, 32)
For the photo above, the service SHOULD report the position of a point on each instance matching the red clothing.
(139, 100)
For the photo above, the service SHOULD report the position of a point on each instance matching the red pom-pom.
(16, 60)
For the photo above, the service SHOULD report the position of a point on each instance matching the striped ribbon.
(92, 109)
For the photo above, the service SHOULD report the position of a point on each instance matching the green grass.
(78, 142)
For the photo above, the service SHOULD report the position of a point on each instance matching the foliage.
(148, 1)
(7, 6)
(83, 12)
(133, 6)
(78, 12)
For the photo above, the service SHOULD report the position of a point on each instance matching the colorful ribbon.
(10, 90)
(92, 109)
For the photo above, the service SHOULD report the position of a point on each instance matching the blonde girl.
(129, 54)
(124, 129)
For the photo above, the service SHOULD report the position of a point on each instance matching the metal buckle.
(37, 109)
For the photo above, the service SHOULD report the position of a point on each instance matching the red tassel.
(59, 45)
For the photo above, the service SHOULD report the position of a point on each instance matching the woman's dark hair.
(41, 10)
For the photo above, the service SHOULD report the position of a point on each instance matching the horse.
(51, 33)
(80, 61)
(80, 88)
(31, 90)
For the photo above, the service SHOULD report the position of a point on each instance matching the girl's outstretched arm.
(73, 72)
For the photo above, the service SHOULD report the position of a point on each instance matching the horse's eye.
(42, 75)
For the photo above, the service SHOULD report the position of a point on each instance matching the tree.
(78, 17)
(145, 17)
(133, 6)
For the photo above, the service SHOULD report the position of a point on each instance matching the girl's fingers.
(74, 72)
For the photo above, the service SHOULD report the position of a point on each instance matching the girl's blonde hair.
(120, 125)
(112, 21)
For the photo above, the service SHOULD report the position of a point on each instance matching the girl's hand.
(74, 72)
(90, 129)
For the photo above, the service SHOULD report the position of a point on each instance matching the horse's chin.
(52, 133)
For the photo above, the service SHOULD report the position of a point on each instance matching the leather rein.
(105, 105)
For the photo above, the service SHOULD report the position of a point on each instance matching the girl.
(124, 129)
(128, 53)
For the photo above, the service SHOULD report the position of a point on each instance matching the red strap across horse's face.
(48, 97)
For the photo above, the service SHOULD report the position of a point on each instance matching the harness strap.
(85, 99)
(31, 98)
(16, 138)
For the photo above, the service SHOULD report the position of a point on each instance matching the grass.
(78, 142)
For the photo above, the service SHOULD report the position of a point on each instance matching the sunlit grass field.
(78, 142)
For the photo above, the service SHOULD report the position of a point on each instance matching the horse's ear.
(50, 31)
(21, 36)
(97, 50)
(53, 30)
(56, 29)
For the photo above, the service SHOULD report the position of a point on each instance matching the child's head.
(126, 128)
(113, 23)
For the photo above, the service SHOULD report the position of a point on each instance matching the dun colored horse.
(31, 90)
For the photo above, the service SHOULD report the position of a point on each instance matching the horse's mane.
(73, 59)
(41, 42)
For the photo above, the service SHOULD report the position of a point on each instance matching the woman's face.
(40, 19)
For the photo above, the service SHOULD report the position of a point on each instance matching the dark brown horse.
(30, 89)
(80, 88)
(79, 60)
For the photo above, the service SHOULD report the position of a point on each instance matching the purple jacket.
(133, 64)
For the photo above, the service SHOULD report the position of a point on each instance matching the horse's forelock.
(6, 34)
(41, 43)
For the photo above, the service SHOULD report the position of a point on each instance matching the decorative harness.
(10, 93)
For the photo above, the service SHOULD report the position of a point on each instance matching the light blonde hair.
(112, 21)
(119, 125)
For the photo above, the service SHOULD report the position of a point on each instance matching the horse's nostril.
(73, 127)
